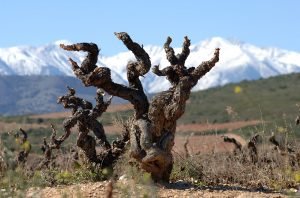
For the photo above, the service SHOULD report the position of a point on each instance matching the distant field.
(6, 127)
(217, 126)
(113, 129)
(262, 106)
(205, 144)
(273, 99)
(56, 115)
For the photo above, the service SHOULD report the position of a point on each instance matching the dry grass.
(211, 162)
(273, 170)
(98, 189)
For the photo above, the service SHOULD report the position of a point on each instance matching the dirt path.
(180, 190)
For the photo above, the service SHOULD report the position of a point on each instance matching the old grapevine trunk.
(152, 131)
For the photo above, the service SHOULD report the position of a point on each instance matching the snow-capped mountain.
(238, 61)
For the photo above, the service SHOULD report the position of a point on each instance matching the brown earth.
(205, 144)
(130, 189)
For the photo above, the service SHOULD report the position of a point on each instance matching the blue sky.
(265, 23)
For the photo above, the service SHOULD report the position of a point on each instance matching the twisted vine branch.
(152, 131)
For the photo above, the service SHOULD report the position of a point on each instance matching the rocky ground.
(130, 189)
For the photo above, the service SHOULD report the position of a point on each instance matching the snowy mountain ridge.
(238, 61)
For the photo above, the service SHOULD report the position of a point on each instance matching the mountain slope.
(275, 100)
(37, 94)
(271, 99)
(238, 61)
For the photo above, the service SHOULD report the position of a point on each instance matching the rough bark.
(152, 130)
(253, 148)
(47, 150)
(85, 116)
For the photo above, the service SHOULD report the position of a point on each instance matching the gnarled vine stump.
(152, 131)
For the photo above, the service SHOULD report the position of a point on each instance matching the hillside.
(267, 99)
(272, 100)
(38, 94)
